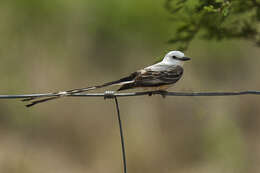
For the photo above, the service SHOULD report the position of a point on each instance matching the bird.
(157, 77)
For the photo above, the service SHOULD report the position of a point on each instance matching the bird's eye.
(174, 57)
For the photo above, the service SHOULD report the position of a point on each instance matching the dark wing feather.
(156, 78)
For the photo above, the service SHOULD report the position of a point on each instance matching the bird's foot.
(163, 93)
(150, 93)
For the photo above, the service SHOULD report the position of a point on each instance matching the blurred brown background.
(57, 45)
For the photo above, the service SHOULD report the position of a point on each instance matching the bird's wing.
(156, 78)
(150, 78)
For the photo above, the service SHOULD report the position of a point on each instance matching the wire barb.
(109, 95)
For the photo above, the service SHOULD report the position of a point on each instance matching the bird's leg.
(163, 93)
(150, 93)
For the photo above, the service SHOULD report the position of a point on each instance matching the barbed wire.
(112, 94)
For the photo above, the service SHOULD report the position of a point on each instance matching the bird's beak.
(185, 59)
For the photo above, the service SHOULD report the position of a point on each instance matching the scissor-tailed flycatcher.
(159, 76)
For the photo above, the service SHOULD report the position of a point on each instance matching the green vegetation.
(215, 19)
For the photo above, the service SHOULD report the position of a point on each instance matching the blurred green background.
(62, 44)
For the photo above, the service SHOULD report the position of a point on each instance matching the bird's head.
(175, 58)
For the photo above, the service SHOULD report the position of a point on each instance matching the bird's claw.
(163, 93)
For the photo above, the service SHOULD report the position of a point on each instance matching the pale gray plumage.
(157, 76)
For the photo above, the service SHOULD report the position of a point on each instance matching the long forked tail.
(34, 100)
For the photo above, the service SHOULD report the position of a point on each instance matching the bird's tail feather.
(34, 100)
